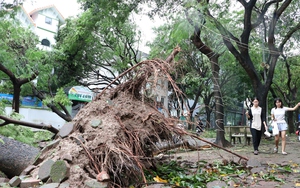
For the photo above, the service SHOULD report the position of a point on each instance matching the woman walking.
(255, 117)
(278, 116)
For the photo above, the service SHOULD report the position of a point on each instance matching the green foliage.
(186, 176)
(208, 133)
(25, 134)
(3, 113)
(2, 107)
(12, 115)
(286, 79)
(19, 52)
(175, 175)
(92, 42)
(60, 98)
(20, 59)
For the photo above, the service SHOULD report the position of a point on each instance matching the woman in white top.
(256, 120)
(278, 116)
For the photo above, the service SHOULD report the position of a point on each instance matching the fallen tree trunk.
(15, 156)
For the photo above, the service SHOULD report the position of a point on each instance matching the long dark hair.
(249, 108)
(251, 101)
(279, 100)
(255, 98)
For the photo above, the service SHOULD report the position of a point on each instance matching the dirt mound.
(115, 135)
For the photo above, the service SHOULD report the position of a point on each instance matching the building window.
(45, 42)
(48, 20)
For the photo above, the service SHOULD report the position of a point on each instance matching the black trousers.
(256, 137)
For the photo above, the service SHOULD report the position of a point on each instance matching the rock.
(51, 145)
(67, 157)
(216, 184)
(96, 122)
(253, 163)
(272, 184)
(79, 138)
(110, 102)
(44, 170)
(66, 129)
(50, 185)
(158, 186)
(95, 184)
(28, 169)
(258, 170)
(103, 176)
(15, 181)
(64, 185)
(28, 183)
(60, 171)
(4, 180)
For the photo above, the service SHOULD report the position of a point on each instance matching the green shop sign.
(80, 93)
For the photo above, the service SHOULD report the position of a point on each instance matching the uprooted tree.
(116, 134)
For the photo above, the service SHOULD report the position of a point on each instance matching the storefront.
(79, 95)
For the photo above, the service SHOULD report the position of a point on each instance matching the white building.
(44, 22)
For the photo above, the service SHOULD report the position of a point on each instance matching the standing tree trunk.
(213, 57)
(16, 98)
(17, 83)
(208, 109)
(220, 140)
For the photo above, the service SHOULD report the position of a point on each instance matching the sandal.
(284, 153)
(275, 150)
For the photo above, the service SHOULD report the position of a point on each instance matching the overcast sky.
(66, 7)
(72, 8)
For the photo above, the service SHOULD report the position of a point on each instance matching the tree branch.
(27, 124)
(288, 36)
(7, 72)
(262, 14)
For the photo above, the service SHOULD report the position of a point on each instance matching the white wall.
(39, 116)
(40, 21)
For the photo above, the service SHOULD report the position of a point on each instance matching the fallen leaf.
(158, 179)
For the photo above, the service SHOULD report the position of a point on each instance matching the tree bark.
(220, 140)
(290, 122)
(15, 156)
(16, 98)
(64, 115)
(215, 68)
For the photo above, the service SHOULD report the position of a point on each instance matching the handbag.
(267, 133)
(270, 129)
(275, 130)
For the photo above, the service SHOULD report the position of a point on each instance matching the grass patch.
(211, 133)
